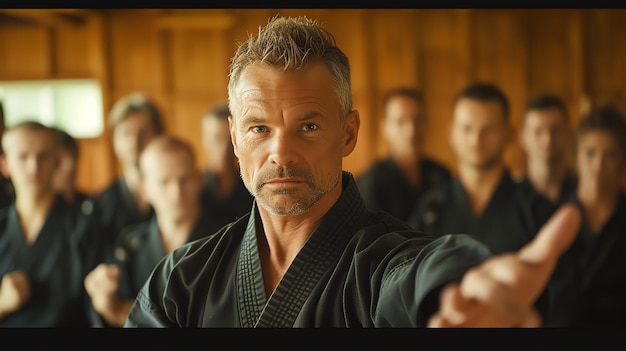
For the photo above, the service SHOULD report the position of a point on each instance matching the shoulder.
(109, 192)
(431, 162)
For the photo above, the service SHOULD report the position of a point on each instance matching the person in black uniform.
(224, 195)
(43, 255)
(394, 184)
(171, 182)
(134, 120)
(310, 253)
(7, 194)
(590, 276)
(545, 137)
(64, 180)
(484, 200)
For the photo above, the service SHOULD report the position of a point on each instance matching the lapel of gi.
(317, 256)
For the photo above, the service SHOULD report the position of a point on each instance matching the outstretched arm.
(501, 292)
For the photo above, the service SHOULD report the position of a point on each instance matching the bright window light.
(73, 105)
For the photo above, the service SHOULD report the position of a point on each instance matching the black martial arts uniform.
(360, 268)
(228, 209)
(542, 207)
(590, 277)
(506, 224)
(384, 187)
(56, 264)
(137, 252)
(7, 193)
(113, 209)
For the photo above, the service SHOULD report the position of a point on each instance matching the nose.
(32, 164)
(283, 150)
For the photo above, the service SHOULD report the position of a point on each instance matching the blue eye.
(259, 129)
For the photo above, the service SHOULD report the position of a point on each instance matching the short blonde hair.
(290, 44)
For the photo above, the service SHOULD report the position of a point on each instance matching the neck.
(176, 231)
(547, 179)
(283, 236)
(32, 212)
(225, 176)
(480, 183)
(409, 163)
(597, 196)
(132, 177)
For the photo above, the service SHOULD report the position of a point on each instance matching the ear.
(351, 132)
(233, 138)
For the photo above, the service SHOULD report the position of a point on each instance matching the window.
(74, 105)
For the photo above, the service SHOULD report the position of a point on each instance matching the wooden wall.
(181, 57)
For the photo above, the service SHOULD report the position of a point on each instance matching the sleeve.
(409, 294)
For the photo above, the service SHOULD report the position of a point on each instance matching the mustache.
(282, 172)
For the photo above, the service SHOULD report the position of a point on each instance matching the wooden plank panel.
(199, 61)
(605, 65)
(187, 125)
(555, 56)
(134, 50)
(97, 163)
(26, 53)
(71, 56)
(446, 66)
(394, 53)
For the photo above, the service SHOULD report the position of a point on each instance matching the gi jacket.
(359, 268)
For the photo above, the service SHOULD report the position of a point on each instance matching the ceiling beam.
(48, 18)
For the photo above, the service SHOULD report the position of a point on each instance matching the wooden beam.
(48, 18)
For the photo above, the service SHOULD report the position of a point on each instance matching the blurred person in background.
(64, 180)
(224, 194)
(395, 183)
(590, 277)
(484, 200)
(133, 121)
(44, 256)
(171, 182)
(546, 140)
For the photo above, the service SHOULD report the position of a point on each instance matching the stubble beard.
(287, 202)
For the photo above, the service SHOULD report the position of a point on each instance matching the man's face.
(216, 141)
(131, 135)
(403, 125)
(31, 160)
(599, 161)
(171, 182)
(288, 137)
(479, 133)
(545, 135)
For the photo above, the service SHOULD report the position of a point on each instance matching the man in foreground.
(310, 254)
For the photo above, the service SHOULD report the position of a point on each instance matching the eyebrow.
(254, 120)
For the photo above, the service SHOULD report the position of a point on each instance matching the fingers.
(502, 290)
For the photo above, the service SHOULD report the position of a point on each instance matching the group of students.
(407, 245)
(69, 258)
(585, 166)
